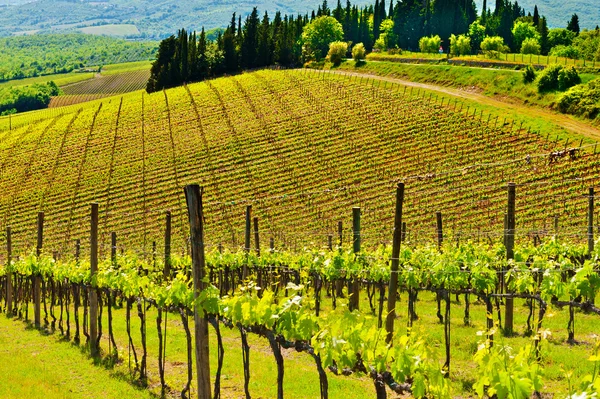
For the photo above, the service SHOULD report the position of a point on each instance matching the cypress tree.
(347, 25)
(250, 40)
(338, 13)
(536, 16)
(573, 24)
(264, 42)
(203, 68)
(376, 21)
(484, 12)
(543, 29)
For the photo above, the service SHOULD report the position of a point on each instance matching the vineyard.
(311, 163)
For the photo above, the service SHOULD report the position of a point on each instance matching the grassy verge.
(50, 364)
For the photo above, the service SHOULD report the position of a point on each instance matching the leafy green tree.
(317, 35)
(460, 45)
(524, 30)
(560, 37)
(430, 44)
(476, 34)
(337, 52)
(494, 46)
(530, 46)
(359, 53)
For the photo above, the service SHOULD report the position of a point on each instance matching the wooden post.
(403, 235)
(37, 279)
(93, 295)
(9, 293)
(247, 238)
(510, 245)
(590, 232)
(256, 237)
(354, 298)
(77, 249)
(113, 249)
(340, 234)
(330, 242)
(396, 242)
(556, 226)
(440, 233)
(167, 269)
(272, 244)
(193, 195)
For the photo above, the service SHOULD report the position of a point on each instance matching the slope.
(301, 148)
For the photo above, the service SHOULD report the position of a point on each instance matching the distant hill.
(134, 18)
(559, 12)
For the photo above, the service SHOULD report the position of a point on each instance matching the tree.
(493, 46)
(523, 30)
(460, 45)
(477, 34)
(317, 35)
(387, 38)
(359, 53)
(573, 24)
(250, 40)
(337, 52)
(430, 44)
(560, 37)
(544, 42)
(530, 45)
(536, 16)
(160, 72)
(264, 53)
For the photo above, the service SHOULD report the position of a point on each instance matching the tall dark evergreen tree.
(536, 16)
(376, 20)
(193, 57)
(338, 13)
(203, 67)
(325, 8)
(160, 73)
(573, 24)
(347, 24)
(484, 12)
(264, 42)
(250, 40)
(543, 30)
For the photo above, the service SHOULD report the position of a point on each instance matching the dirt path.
(565, 121)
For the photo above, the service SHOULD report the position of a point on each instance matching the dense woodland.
(261, 40)
(29, 56)
(27, 98)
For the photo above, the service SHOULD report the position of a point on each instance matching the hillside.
(302, 150)
(128, 17)
(559, 12)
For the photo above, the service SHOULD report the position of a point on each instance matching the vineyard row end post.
(247, 234)
(396, 242)
(510, 245)
(193, 195)
(93, 295)
(167, 269)
(37, 279)
(355, 295)
(9, 290)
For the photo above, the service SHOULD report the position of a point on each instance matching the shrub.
(529, 74)
(430, 44)
(460, 45)
(567, 78)
(530, 46)
(582, 100)
(317, 35)
(493, 46)
(359, 53)
(522, 31)
(566, 51)
(337, 52)
(548, 78)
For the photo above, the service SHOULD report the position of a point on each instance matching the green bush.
(567, 78)
(548, 78)
(27, 98)
(493, 46)
(566, 51)
(317, 35)
(337, 52)
(430, 44)
(358, 52)
(530, 46)
(460, 45)
(582, 100)
(529, 74)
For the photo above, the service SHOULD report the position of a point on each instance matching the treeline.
(36, 55)
(27, 98)
(263, 41)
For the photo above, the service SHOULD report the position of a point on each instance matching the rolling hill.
(302, 148)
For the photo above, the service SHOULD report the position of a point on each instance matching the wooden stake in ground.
(37, 279)
(9, 290)
(193, 195)
(354, 295)
(93, 295)
(393, 287)
(590, 232)
(167, 269)
(247, 234)
(510, 245)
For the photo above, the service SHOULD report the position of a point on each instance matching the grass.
(301, 380)
(114, 69)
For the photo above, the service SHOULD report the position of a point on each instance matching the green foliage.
(548, 78)
(430, 44)
(530, 46)
(565, 51)
(560, 37)
(36, 55)
(529, 74)
(588, 43)
(493, 46)
(567, 78)
(477, 34)
(582, 100)
(522, 31)
(318, 34)
(460, 45)
(387, 38)
(506, 373)
(27, 98)
(358, 52)
(337, 52)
